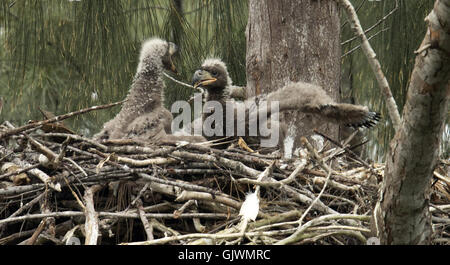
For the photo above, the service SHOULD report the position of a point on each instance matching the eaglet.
(298, 96)
(143, 115)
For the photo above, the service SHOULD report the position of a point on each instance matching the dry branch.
(193, 195)
(147, 226)
(373, 62)
(91, 225)
(55, 119)
(374, 25)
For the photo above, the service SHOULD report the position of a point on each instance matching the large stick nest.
(62, 188)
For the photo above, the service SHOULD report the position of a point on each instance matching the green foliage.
(59, 54)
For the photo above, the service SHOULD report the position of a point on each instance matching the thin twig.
(374, 25)
(359, 46)
(55, 119)
(345, 148)
(292, 238)
(373, 62)
(147, 226)
(19, 171)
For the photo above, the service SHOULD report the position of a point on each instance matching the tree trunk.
(294, 41)
(401, 214)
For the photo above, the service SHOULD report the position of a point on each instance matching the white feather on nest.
(250, 207)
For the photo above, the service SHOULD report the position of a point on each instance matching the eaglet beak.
(172, 67)
(202, 78)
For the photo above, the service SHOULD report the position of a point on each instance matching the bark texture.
(294, 41)
(401, 214)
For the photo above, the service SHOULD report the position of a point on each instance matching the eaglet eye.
(214, 73)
